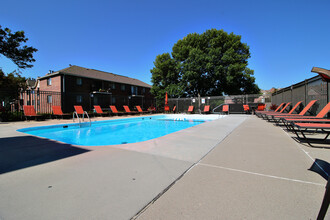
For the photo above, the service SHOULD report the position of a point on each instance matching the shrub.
(11, 116)
(273, 107)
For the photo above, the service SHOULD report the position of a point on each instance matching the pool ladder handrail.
(217, 108)
(75, 113)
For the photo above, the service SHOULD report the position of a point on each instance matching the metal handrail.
(217, 107)
(90, 123)
(75, 113)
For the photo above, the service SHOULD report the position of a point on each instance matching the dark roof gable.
(97, 74)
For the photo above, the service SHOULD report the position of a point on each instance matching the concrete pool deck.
(238, 167)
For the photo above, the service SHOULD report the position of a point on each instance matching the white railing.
(83, 117)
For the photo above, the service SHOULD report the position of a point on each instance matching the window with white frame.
(49, 81)
(49, 99)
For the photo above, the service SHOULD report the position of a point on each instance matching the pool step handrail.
(90, 123)
(84, 113)
(219, 107)
(79, 111)
(216, 108)
(75, 113)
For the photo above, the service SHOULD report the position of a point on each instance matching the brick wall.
(55, 84)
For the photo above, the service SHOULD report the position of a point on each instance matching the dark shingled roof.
(97, 74)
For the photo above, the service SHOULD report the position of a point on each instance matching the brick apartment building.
(77, 85)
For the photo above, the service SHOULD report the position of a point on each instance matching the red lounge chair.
(247, 108)
(307, 127)
(261, 107)
(174, 108)
(115, 111)
(191, 109)
(99, 110)
(80, 111)
(266, 114)
(206, 109)
(57, 111)
(280, 118)
(167, 108)
(30, 112)
(128, 111)
(140, 109)
(225, 108)
(261, 113)
(312, 119)
(303, 112)
(271, 116)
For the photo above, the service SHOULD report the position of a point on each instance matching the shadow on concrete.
(321, 167)
(26, 151)
(314, 142)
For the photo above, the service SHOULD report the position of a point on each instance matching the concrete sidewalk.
(257, 172)
(45, 179)
(237, 167)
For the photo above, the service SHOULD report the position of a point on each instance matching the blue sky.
(286, 38)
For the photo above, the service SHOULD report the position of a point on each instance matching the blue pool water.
(113, 132)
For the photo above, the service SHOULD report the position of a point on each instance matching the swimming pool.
(118, 131)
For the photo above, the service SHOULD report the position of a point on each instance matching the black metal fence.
(44, 100)
(215, 102)
(305, 91)
(41, 100)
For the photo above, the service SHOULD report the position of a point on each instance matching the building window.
(113, 100)
(49, 81)
(49, 99)
(95, 100)
(143, 90)
(79, 99)
(134, 90)
(79, 81)
(122, 87)
(113, 86)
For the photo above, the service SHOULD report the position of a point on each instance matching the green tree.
(165, 78)
(11, 46)
(10, 85)
(211, 63)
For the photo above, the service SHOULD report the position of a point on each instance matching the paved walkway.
(257, 172)
(239, 167)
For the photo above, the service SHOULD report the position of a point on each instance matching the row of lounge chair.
(29, 111)
(191, 109)
(301, 124)
(225, 108)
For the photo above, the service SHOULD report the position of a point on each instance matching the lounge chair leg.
(305, 138)
(326, 135)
